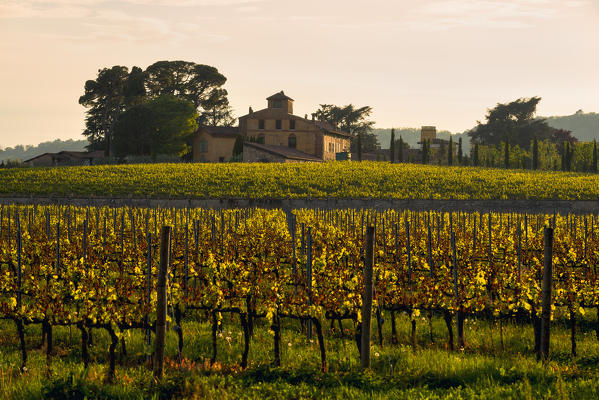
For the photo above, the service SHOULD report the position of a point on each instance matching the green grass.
(315, 180)
(482, 370)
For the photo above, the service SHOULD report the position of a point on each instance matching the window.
(278, 124)
(292, 124)
(292, 141)
(261, 139)
(277, 104)
(202, 147)
(331, 147)
(260, 124)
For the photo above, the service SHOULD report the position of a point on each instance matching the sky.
(415, 62)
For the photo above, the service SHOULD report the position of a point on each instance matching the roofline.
(273, 151)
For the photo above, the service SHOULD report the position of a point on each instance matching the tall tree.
(460, 152)
(359, 146)
(425, 152)
(535, 154)
(161, 126)
(450, 151)
(105, 99)
(400, 150)
(197, 83)
(351, 120)
(506, 155)
(594, 165)
(475, 159)
(238, 148)
(516, 119)
(392, 146)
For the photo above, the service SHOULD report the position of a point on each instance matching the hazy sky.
(416, 62)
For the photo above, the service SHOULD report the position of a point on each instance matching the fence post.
(546, 301)
(165, 243)
(309, 276)
(367, 298)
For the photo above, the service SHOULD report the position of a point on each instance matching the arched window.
(292, 141)
(261, 139)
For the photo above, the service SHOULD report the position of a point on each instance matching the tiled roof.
(221, 131)
(283, 151)
(279, 96)
(71, 154)
(327, 127)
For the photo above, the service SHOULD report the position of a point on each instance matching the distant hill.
(584, 127)
(22, 153)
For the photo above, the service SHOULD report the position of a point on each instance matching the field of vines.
(309, 180)
(94, 269)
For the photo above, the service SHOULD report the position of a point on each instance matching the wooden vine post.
(165, 244)
(546, 293)
(367, 299)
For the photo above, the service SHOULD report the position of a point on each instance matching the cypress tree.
(564, 156)
(506, 160)
(359, 146)
(450, 151)
(535, 154)
(238, 148)
(594, 166)
(400, 150)
(425, 152)
(392, 146)
(570, 156)
(460, 153)
(475, 160)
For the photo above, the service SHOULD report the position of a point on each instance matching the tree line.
(511, 137)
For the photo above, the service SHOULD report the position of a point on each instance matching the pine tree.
(475, 160)
(506, 160)
(425, 152)
(392, 146)
(450, 151)
(400, 150)
(460, 153)
(535, 154)
(594, 166)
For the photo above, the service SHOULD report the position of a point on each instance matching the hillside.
(584, 126)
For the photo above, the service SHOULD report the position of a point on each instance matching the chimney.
(251, 111)
(312, 117)
(306, 116)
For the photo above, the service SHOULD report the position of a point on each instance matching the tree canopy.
(116, 90)
(514, 122)
(162, 125)
(353, 121)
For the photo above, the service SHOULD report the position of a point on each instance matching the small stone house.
(214, 143)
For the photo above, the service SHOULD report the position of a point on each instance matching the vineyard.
(295, 181)
(94, 269)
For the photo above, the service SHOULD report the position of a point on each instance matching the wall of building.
(218, 148)
(42, 161)
(337, 143)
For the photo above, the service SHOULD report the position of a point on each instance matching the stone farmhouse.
(273, 134)
(65, 158)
